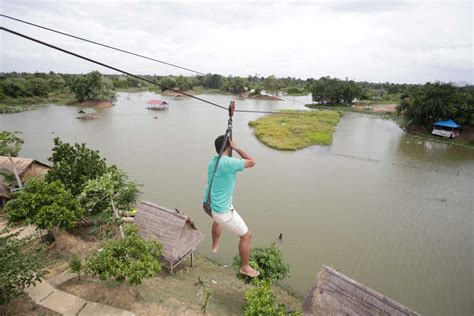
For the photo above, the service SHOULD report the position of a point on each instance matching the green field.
(297, 129)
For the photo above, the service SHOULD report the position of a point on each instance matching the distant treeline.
(419, 104)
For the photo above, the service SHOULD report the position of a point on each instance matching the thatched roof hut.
(27, 168)
(336, 294)
(174, 230)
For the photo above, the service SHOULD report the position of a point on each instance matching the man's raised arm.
(249, 161)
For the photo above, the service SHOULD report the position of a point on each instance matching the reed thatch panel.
(34, 170)
(26, 167)
(172, 229)
(189, 239)
(336, 294)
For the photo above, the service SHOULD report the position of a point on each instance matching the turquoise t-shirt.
(224, 182)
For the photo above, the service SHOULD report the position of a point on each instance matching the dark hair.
(218, 143)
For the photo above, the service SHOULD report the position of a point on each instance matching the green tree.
(91, 87)
(268, 261)
(56, 83)
(129, 259)
(46, 205)
(272, 85)
(15, 87)
(111, 190)
(183, 83)
(427, 104)
(38, 87)
(214, 81)
(10, 145)
(75, 165)
(167, 82)
(335, 91)
(235, 85)
(21, 265)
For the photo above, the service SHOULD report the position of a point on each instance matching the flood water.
(392, 211)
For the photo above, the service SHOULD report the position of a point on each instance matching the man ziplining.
(222, 173)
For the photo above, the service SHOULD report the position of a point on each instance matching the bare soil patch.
(379, 108)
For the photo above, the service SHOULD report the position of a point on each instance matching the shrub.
(268, 261)
(130, 259)
(260, 300)
(21, 265)
(75, 266)
(46, 205)
(74, 165)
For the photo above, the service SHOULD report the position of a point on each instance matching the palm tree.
(10, 145)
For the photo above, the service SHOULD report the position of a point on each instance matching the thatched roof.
(174, 230)
(22, 164)
(336, 294)
(26, 168)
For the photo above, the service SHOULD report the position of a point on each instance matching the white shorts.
(231, 221)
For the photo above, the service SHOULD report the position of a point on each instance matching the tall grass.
(292, 132)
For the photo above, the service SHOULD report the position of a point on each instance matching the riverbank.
(21, 104)
(297, 129)
(165, 294)
(388, 111)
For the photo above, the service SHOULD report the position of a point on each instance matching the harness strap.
(228, 135)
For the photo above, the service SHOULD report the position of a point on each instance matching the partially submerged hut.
(174, 230)
(87, 114)
(157, 105)
(337, 294)
(447, 128)
(27, 168)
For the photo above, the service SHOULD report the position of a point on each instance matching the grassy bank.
(292, 132)
(165, 294)
(14, 105)
(178, 293)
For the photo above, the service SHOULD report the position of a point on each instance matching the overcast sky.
(396, 41)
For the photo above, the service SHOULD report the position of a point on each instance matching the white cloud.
(365, 40)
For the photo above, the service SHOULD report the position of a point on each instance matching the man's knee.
(247, 235)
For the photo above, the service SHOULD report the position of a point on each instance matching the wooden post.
(118, 217)
(15, 171)
(192, 259)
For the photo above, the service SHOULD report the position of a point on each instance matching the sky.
(377, 41)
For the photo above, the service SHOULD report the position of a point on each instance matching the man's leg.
(216, 234)
(244, 249)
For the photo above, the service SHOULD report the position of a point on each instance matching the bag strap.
(226, 138)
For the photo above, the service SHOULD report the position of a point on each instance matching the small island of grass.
(293, 132)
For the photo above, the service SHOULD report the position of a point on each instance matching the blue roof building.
(447, 128)
(447, 123)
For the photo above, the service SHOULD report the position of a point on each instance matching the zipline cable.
(135, 76)
(108, 66)
(103, 45)
(115, 48)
